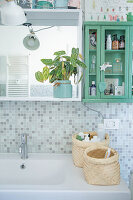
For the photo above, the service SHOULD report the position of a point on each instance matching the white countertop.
(74, 182)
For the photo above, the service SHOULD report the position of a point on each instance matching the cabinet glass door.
(131, 64)
(92, 60)
(114, 56)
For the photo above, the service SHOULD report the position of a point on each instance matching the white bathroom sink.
(32, 171)
(51, 177)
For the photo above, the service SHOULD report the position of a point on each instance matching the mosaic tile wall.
(50, 126)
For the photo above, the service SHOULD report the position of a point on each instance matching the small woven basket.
(78, 148)
(97, 169)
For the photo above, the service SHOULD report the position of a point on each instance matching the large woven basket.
(78, 148)
(97, 169)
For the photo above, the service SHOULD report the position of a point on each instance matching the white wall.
(96, 9)
(51, 40)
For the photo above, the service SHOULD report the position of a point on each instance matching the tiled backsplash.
(50, 126)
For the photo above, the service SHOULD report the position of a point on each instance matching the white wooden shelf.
(53, 17)
(39, 99)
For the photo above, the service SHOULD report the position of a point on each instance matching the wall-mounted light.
(31, 41)
(12, 14)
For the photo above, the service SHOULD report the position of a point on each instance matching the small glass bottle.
(115, 43)
(111, 90)
(93, 89)
(93, 64)
(122, 42)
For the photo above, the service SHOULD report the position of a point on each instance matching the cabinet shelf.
(92, 50)
(114, 51)
(92, 74)
(114, 74)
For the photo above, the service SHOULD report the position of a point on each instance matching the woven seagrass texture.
(78, 148)
(97, 169)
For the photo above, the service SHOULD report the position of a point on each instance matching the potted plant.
(59, 70)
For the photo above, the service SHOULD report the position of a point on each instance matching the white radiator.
(18, 71)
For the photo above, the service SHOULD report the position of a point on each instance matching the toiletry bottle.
(93, 64)
(105, 41)
(122, 42)
(109, 42)
(115, 43)
(87, 139)
(93, 89)
(111, 89)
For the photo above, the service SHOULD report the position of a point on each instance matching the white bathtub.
(51, 177)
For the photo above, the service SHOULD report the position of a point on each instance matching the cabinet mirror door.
(114, 54)
(92, 59)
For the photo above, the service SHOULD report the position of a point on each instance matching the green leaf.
(39, 76)
(59, 71)
(75, 53)
(80, 77)
(81, 64)
(51, 67)
(74, 56)
(75, 50)
(73, 62)
(52, 79)
(45, 73)
(67, 66)
(48, 62)
(57, 63)
(57, 58)
(75, 71)
(59, 53)
(67, 58)
(53, 72)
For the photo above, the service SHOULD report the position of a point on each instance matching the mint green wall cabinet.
(115, 84)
